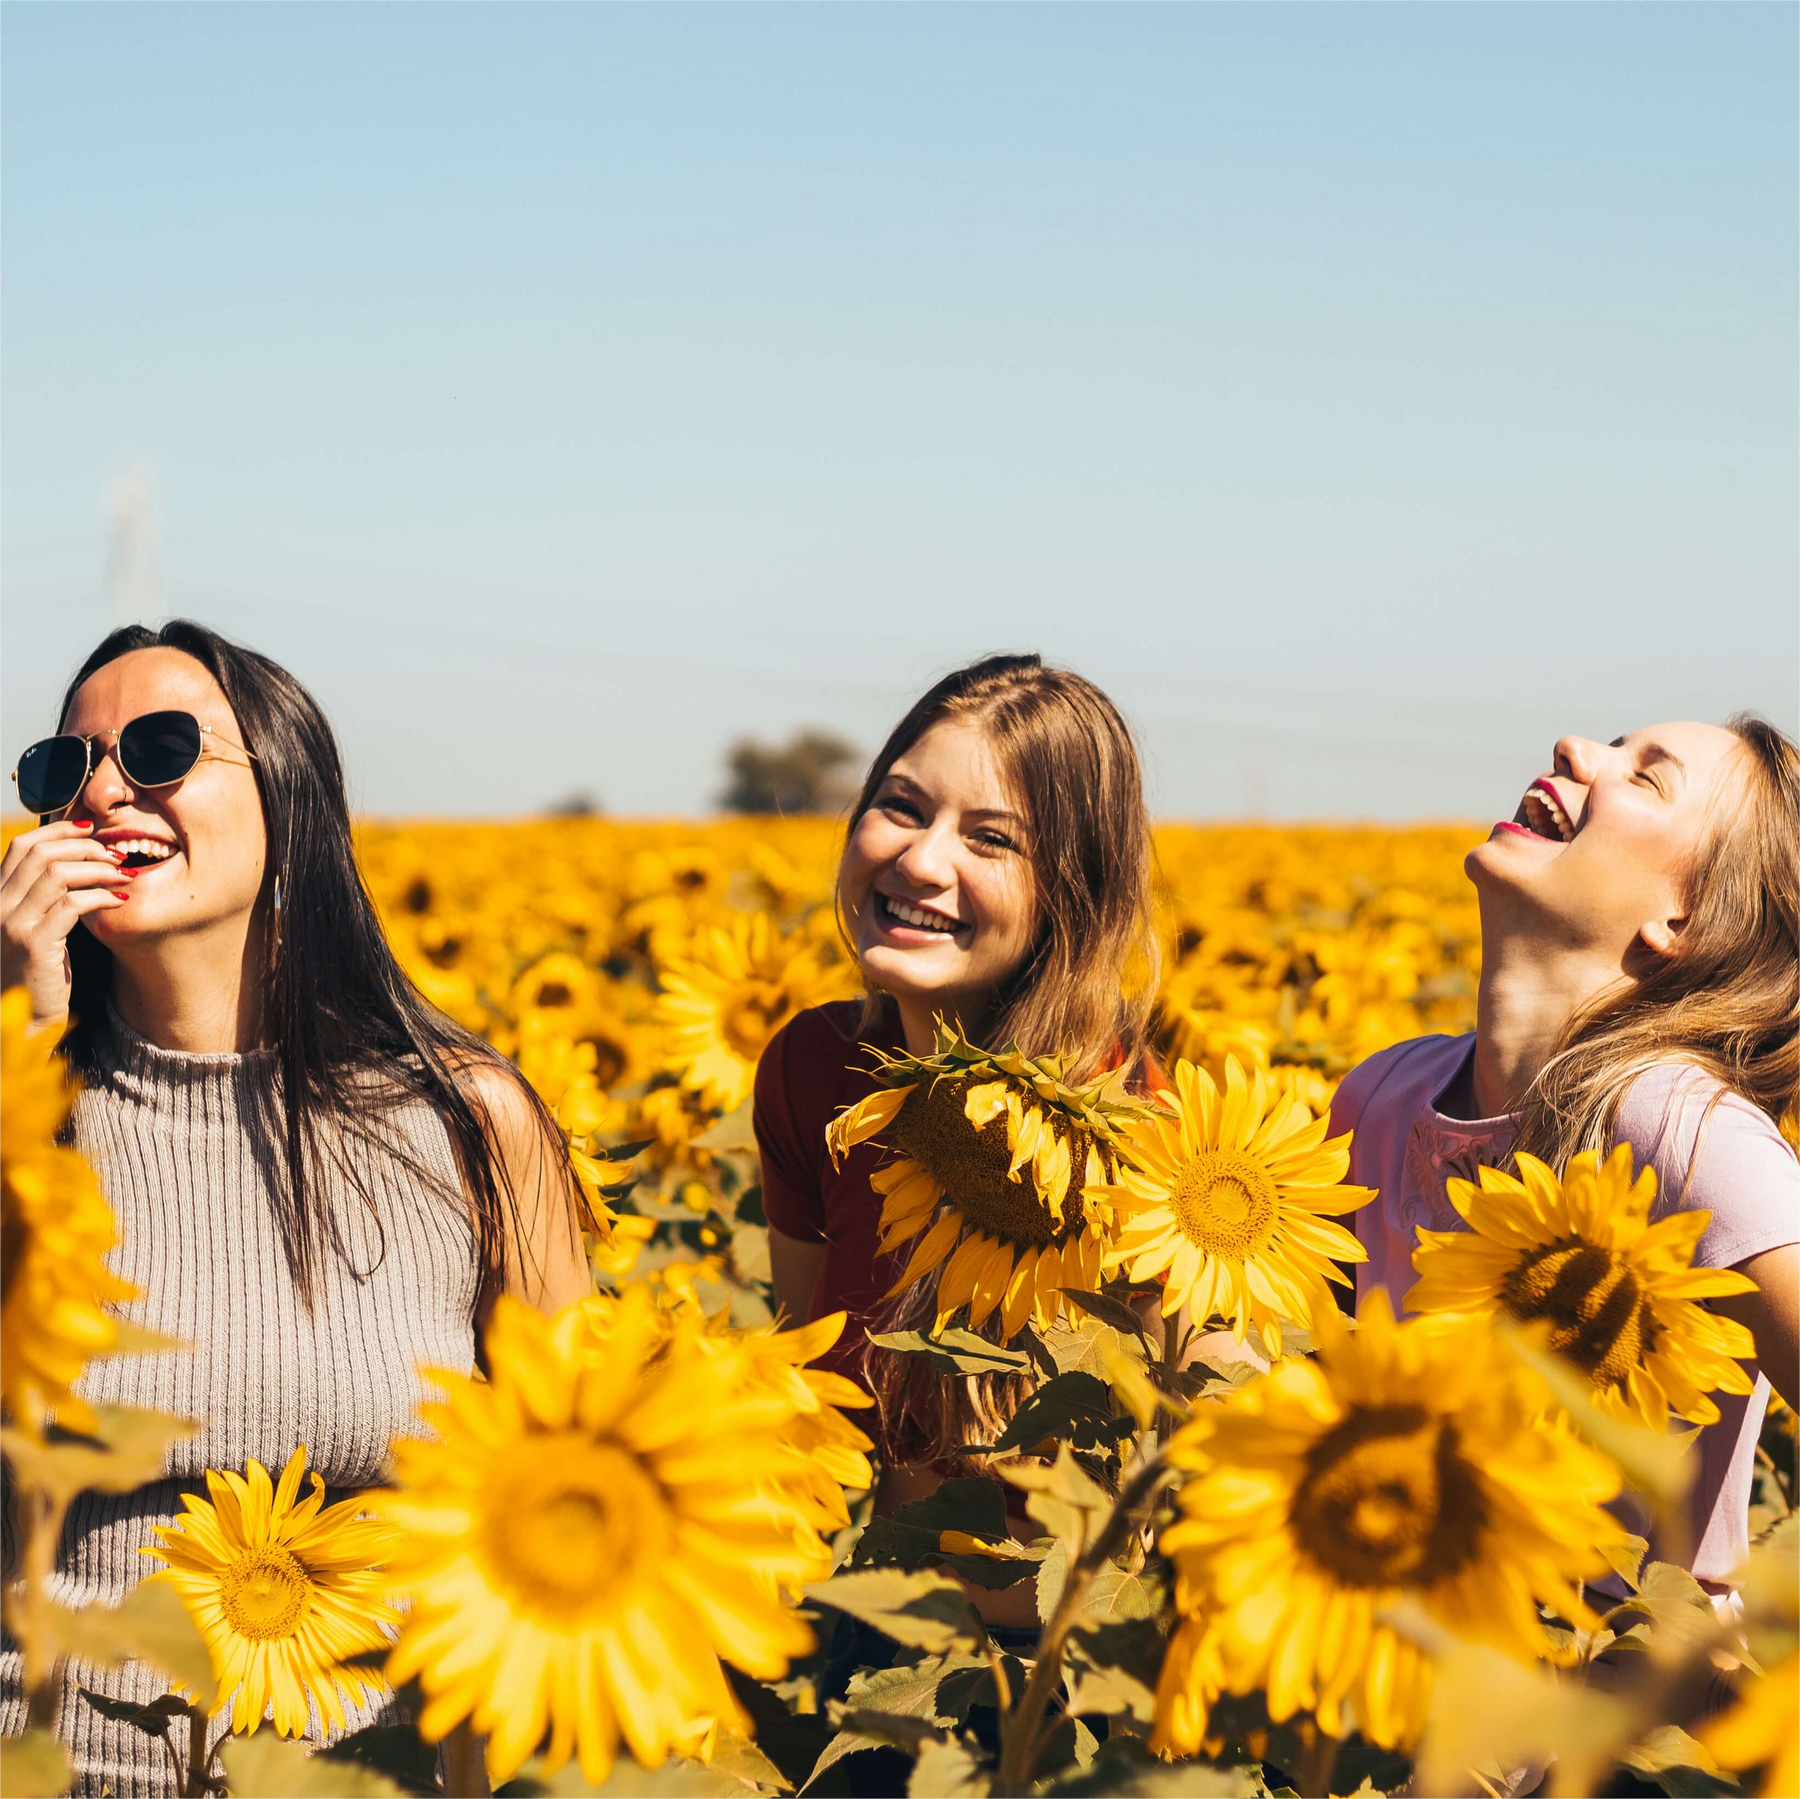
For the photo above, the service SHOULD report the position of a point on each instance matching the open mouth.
(1541, 813)
(897, 914)
(142, 852)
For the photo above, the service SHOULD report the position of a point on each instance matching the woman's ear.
(1662, 936)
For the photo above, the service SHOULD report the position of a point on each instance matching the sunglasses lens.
(159, 748)
(51, 773)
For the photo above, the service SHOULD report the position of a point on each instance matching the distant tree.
(814, 771)
(575, 805)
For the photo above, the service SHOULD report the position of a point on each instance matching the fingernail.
(133, 872)
(118, 895)
(84, 824)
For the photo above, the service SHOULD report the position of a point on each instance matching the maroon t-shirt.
(813, 1067)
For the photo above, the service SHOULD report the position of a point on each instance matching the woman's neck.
(918, 1020)
(1530, 990)
(193, 993)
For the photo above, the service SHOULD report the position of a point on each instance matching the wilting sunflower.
(724, 1003)
(1006, 1149)
(283, 1592)
(55, 1230)
(1228, 1196)
(1408, 1461)
(586, 1537)
(1618, 1292)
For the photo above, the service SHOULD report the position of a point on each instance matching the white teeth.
(152, 847)
(924, 921)
(1542, 809)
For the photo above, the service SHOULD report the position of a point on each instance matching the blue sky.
(1363, 394)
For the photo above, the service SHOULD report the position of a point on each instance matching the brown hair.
(1087, 983)
(1727, 1001)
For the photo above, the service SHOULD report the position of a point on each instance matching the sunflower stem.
(1023, 1731)
(195, 1784)
(1317, 1765)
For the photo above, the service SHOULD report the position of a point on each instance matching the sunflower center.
(263, 1593)
(1226, 1203)
(970, 1163)
(1597, 1311)
(570, 1526)
(1388, 1500)
(751, 1016)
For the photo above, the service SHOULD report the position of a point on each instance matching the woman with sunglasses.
(321, 1182)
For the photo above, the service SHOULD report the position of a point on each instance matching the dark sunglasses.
(155, 750)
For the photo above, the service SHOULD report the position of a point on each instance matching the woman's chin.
(924, 973)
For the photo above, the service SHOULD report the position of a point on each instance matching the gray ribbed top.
(185, 1157)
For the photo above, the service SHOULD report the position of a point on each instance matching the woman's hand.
(51, 878)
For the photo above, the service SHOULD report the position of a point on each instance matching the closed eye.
(896, 807)
(997, 840)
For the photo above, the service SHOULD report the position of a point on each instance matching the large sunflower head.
(1228, 1196)
(723, 1003)
(992, 1156)
(55, 1231)
(589, 1535)
(284, 1590)
(1409, 1460)
(1618, 1295)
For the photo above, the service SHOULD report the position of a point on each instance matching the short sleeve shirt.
(1711, 1149)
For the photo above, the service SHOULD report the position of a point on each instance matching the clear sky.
(1363, 394)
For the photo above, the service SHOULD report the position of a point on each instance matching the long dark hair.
(352, 1037)
(1086, 984)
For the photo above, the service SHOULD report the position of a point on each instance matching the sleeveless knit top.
(186, 1157)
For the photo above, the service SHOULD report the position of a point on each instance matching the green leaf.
(1109, 1309)
(745, 1763)
(128, 1449)
(939, 1689)
(732, 1132)
(266, 1766)
(396, 1750)
(1115, 1595)
(35, 1766)
(1122, 1765)
(908, 1537)
(1626, 1558)
(922, 1610)
(946, 1770)
(1074, 1408)
(151, 1625)
(153, 1719)
(1667, 1747)
(1064, 1498)
(1053, 1571)
(955, 1351)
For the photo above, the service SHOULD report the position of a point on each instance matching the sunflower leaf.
(153, 1719)
(151, 1625)
(1108, 1308)
(128, 1448)
(35, 1767)
(1064, 1499)
(1074, 1408)
(264, 1766)
(921, 1610)
(912, 1537)
(733, 1131)
(1123, 1765)
(954, 1351)
(1668, 1747)
(946, 1770)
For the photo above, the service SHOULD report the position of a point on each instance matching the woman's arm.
(545, 1264)
(794, 1272)
(1772, 1314)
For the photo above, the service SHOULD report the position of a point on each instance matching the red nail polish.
(84, 824)
(133, 872)
(118, 895)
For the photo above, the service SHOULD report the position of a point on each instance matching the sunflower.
(1228, 1198)
(55, 1230)
(1408, 1461)
(586, 1538)
(1618, 1292)
(1007, 1149)
(1763, 1730)
(283, 1592)
(724, 1003)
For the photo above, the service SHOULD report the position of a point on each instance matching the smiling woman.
(1639, 986)
(320, 1182)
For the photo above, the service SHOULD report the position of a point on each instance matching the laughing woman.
(1639, 984)
(320, 1182)
(997, 875)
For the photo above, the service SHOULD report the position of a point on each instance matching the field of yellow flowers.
(640, 1554)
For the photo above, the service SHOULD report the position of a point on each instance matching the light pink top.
(1733, 1163)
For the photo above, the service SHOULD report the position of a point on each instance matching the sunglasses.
(156, 750)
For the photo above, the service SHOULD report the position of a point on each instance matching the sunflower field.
(1245, 1543)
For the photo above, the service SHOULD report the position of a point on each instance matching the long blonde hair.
(1727, 1001)
(1087, 983)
